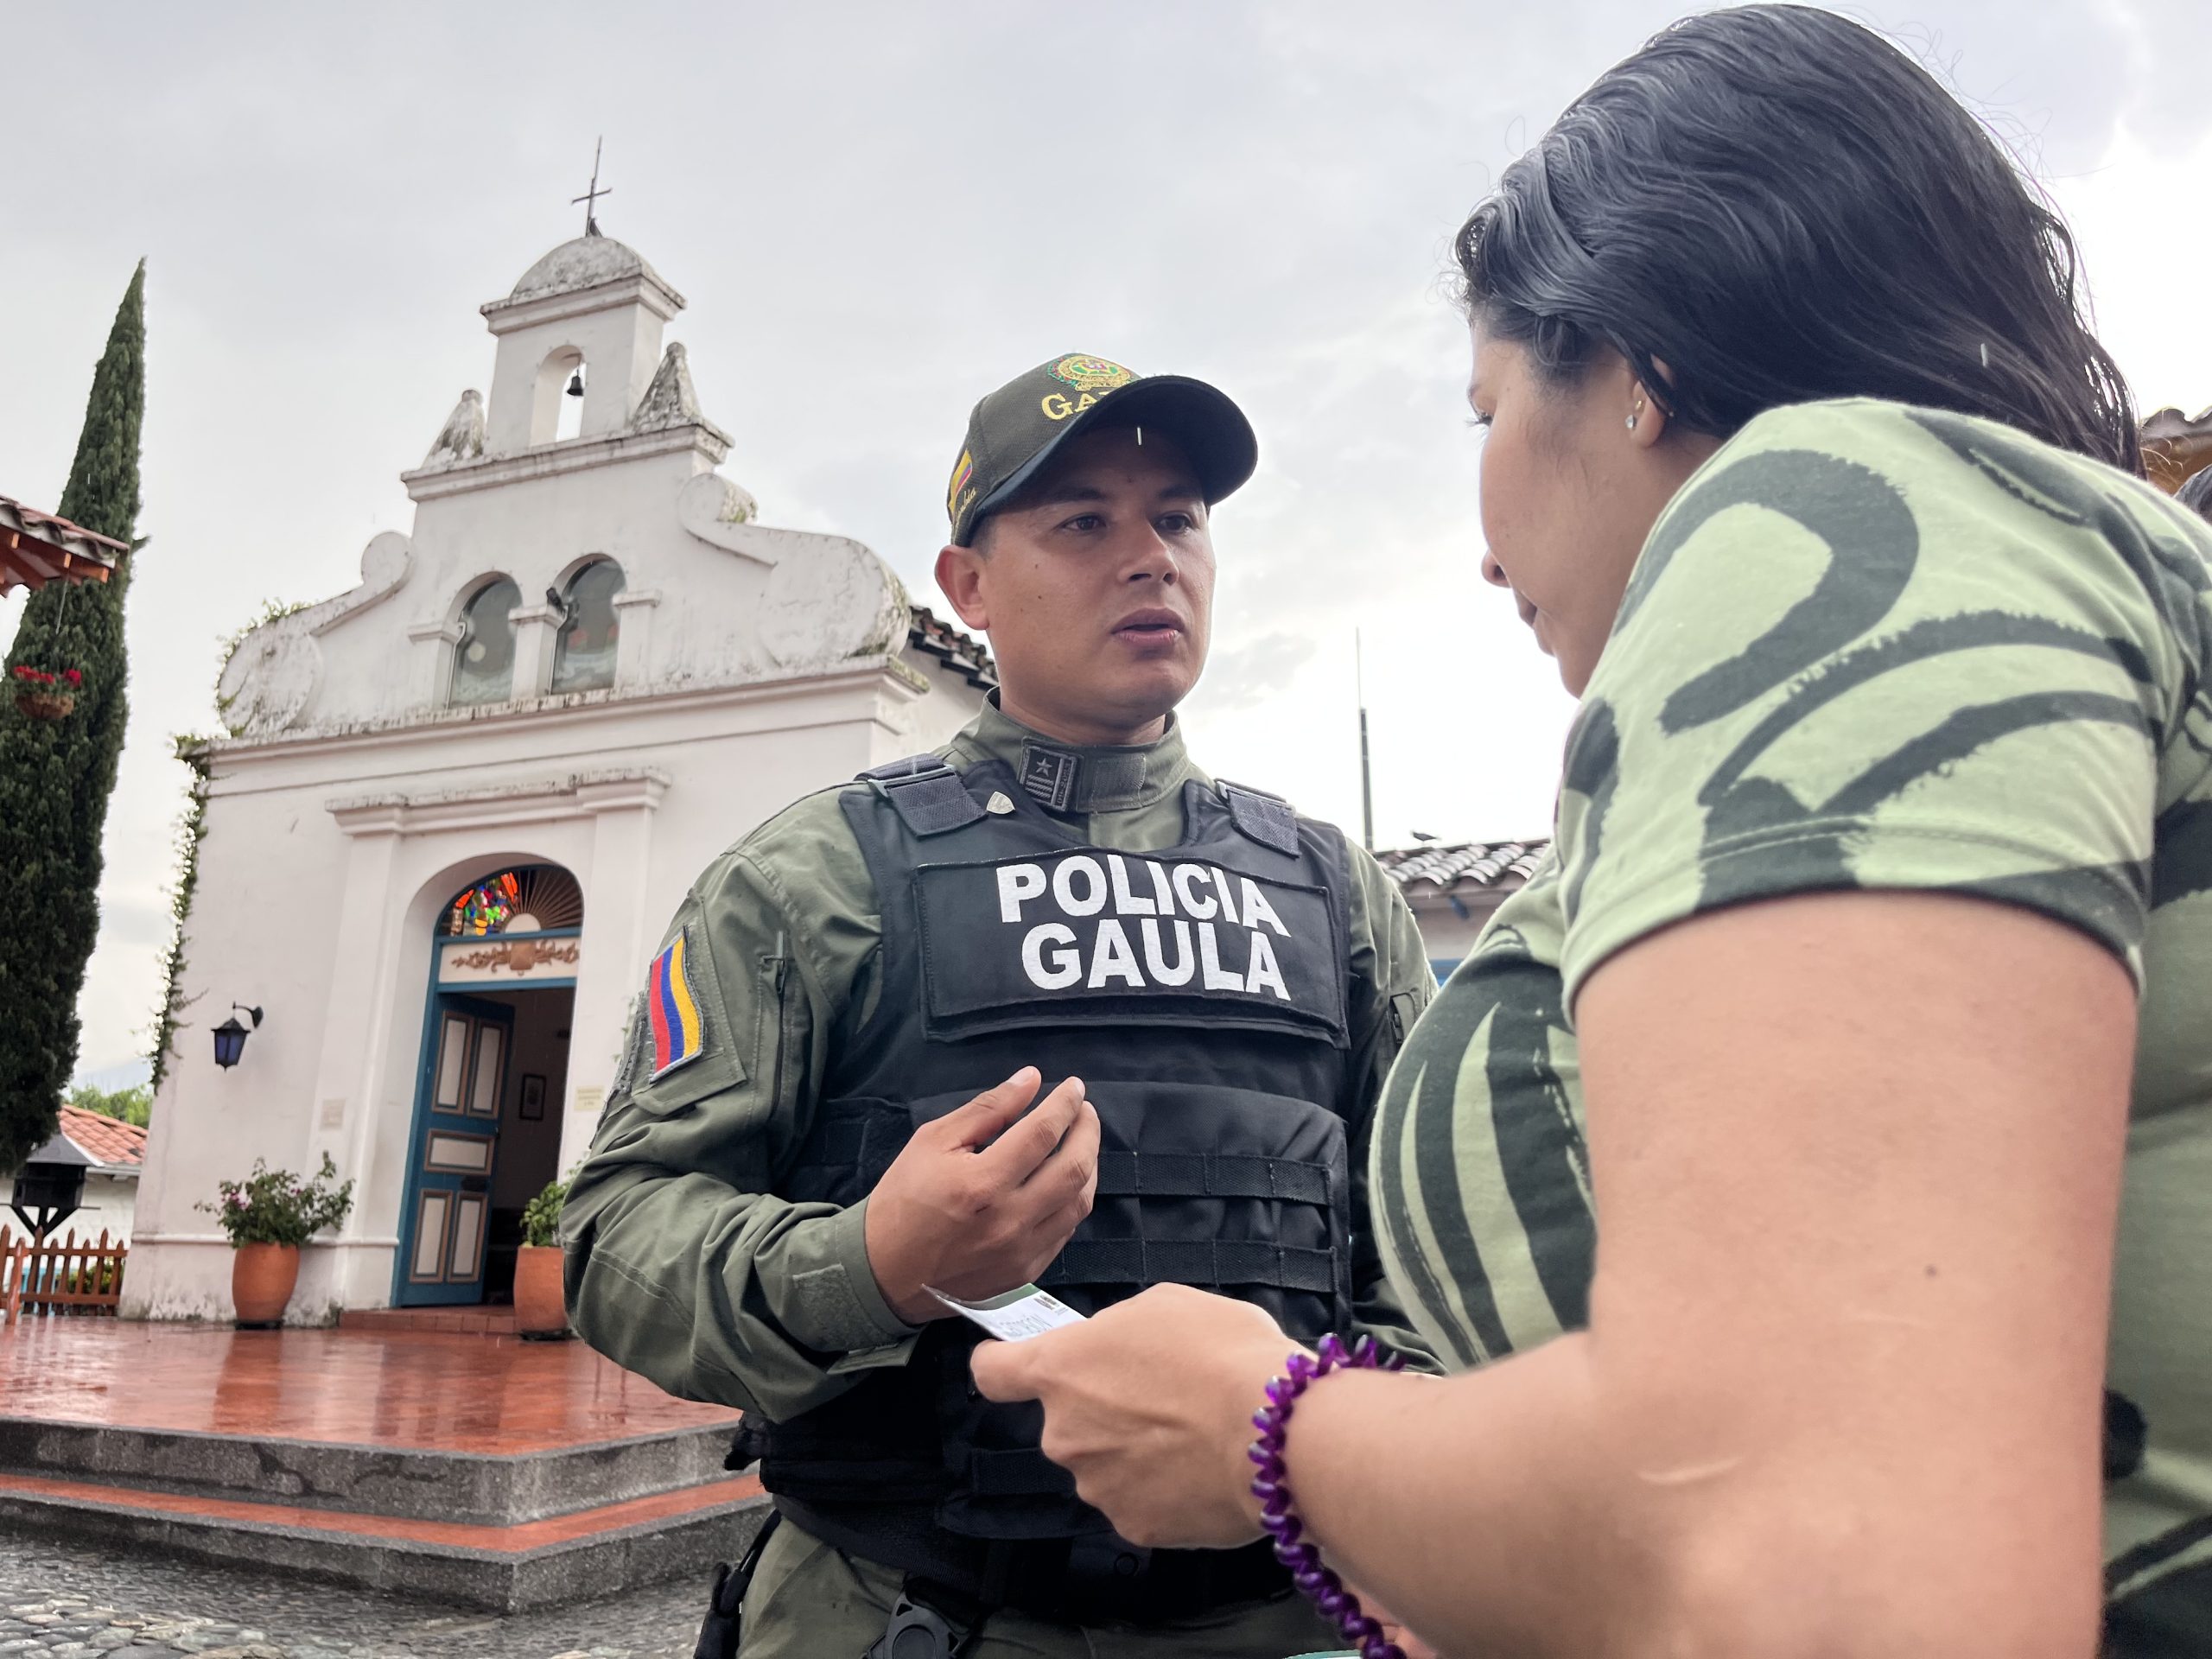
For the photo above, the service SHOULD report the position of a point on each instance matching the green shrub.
(274, 1206)
(541, 1216)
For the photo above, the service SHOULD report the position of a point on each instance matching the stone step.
(428, 1484)
(585, 1554)
(473, 1321)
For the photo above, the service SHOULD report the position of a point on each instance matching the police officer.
(833, 1098)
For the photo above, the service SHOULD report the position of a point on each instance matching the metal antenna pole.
(1366, 776)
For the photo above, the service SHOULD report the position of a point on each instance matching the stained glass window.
(583, 655)
(484, 907)
(484, 660)
(528, 899)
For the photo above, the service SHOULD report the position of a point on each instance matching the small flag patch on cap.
(679, 1035)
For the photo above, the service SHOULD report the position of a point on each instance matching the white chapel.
(488, 773)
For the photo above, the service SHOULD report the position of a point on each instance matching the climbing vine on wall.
(192, 830)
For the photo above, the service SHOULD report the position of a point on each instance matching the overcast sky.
(878, 212)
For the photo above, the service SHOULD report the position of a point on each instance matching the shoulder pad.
(926, 793)
(1267, 819)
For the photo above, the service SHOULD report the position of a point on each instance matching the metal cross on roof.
(590, 198)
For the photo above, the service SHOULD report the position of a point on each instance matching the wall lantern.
(230, 1037)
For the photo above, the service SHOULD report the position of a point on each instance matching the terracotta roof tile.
(967, 657)
(2176, 445)
(108, 1142)
(1461, 865)
(36, 547)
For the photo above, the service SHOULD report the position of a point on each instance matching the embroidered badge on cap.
(679, 1035)
(1091, 373)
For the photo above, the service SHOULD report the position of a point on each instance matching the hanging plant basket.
(47, 705)
(46, 696)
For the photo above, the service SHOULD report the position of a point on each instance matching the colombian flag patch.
(679, 1036)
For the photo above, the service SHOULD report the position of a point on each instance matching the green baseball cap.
(1016, 429)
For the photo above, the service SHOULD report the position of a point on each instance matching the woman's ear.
(1647, 416)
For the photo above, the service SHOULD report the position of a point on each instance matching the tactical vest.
(1200, 994)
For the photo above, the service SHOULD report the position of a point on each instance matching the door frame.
(419, 1127)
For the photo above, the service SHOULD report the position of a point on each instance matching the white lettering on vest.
(1125, 902)
(1266, 974)
(1200, 904)
(1018, 883)
(1067, 961)
(1113, 959)
(1217, 978)
(1159, 888)
(1258, 913)
(1186, 964)
(1228, 905)
(1093, 900)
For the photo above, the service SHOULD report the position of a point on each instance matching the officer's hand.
(982, 1199)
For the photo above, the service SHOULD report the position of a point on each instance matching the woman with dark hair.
(1864, 1008)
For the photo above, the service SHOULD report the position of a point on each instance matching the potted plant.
(540, 1309)
(46, 696)
(268, 1216)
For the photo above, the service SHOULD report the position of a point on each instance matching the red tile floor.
(434, 1390)
(427, 1390)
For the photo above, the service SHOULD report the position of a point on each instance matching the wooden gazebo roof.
(36, 548)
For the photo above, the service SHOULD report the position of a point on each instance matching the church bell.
(576, 384)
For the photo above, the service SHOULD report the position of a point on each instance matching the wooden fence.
(42, 1276)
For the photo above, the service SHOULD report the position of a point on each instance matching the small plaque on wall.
(590, 1100)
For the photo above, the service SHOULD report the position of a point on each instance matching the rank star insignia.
(1049, 775)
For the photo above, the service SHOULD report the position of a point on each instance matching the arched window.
(484, 660)
(570, 423)
(556, 412)
(583, 655)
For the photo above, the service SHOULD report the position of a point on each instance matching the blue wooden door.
(455, 1146)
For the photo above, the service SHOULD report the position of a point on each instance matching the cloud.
(1250, 673)
(878, 211)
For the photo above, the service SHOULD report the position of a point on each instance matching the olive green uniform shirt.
(684, 1266)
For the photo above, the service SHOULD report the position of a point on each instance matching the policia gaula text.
(830, 1098)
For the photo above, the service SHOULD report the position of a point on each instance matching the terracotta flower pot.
(539, 1310)
(47, 705)
(262, 1277)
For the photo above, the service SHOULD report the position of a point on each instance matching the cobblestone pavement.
(58, 1601)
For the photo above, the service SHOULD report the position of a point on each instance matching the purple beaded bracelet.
(1272, 1487)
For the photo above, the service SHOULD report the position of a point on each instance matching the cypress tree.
(55, 775)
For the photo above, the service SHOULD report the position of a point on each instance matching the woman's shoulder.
(1949, 505)
(1933, 454)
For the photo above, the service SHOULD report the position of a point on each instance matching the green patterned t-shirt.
(1866, 646)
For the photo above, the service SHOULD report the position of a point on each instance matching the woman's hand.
(1150, 1406)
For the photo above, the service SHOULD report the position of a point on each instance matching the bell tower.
(589, 314)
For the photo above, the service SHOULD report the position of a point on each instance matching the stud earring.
(1631, 423)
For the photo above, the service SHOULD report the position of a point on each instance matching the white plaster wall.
(620, 349)
(331, 932)
(927, 722)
